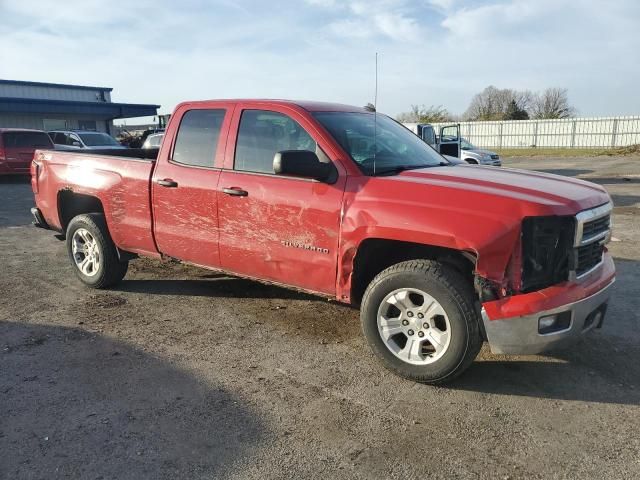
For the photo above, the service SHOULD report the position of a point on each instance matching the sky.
(431, 52)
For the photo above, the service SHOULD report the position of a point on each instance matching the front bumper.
(493, 163)
(14, 169)
(519, 334)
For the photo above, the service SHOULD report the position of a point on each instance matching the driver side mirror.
(301, 163)
(76, 144)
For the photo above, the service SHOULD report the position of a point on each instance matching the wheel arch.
(376, 254)
(71, 204)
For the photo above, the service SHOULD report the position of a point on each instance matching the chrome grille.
(593, 230)
(588, 256)
(595, 227)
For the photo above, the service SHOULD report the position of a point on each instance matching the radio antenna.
(375, 93)
(375, 118)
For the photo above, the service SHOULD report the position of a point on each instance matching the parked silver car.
(472, 154)
(449, 143)
(78, 139)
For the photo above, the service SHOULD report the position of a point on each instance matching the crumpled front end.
(558, 283)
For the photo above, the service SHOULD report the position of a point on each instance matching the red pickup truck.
(349, 205)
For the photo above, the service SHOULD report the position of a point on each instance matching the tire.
(89, 233)
(430, 362)
(471, 162)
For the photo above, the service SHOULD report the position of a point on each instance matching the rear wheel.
(93, 253)
(419, 319)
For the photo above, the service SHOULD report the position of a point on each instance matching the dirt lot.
(181, 373)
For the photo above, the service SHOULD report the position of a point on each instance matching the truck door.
(275, 227)
(449, 143)
(185, 207)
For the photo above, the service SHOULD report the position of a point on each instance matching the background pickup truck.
(349, 205)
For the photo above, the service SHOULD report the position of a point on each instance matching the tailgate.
(19, 159)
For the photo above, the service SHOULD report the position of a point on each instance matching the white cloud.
(442, 4)
(390, 19)
(351, 27)
(497, 18)
(431, 51)
(322, 3)
(398, 26)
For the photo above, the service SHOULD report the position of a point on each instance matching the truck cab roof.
(310, 106)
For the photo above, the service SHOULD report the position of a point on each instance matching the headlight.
(547, 250)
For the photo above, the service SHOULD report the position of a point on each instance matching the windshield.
(97, 139)
(394, 147)
(466, 144)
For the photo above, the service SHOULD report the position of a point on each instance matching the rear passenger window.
(64, 139)
(26, 140)
(262, 134)
(197, 138)
(59, 138)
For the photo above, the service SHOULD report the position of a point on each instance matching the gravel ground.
(182, 373)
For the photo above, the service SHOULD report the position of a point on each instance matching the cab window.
(262, 134)
(197, 137)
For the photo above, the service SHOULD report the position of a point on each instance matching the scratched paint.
(469, 209)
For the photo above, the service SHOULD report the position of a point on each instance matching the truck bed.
(120, 179)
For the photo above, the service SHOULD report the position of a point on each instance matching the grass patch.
(568, 152)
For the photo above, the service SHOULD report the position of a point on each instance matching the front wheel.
(419, 319)
(93, 253)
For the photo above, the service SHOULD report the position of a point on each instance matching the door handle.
(235, 191)
(167, 182)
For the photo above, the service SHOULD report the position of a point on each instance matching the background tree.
(552, 103)
(515, 112)
(423, 114)
(494, 103)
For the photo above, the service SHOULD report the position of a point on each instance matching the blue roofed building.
(54, 106)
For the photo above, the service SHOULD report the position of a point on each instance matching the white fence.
(596, 132)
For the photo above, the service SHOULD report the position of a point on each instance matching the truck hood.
(554, 194)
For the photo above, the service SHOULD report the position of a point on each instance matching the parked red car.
(17, 147)
(350, 205)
